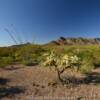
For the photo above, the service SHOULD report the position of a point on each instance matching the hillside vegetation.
(30, 54)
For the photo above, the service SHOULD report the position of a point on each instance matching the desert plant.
(29, 55)
(60, 63)
(86, 67)
(87, 61)
(4, 61)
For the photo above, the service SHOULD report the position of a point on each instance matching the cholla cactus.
(60, 62)
(50, 59)
(74, 59)
(64, 60)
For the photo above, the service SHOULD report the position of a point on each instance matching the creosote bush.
(29, 55)
(4, 61)
(86, 67)
(87, 61)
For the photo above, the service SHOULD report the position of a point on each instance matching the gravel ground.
(38, 83)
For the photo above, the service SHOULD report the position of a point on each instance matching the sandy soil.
(38, 83)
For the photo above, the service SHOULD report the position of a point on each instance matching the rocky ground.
(37, 83)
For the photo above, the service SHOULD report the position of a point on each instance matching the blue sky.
(45, 20)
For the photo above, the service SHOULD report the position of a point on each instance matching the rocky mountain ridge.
(75, 41)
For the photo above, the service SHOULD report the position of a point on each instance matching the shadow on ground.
(6, 91)
(3, 81)
(11, 91)
(91, 78)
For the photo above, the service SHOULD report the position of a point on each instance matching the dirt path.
(34, 83)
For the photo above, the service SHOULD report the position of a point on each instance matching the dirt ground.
(37, 83)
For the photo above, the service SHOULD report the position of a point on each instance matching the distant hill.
(75, 41)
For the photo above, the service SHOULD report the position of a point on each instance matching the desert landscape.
(49, 49)
(24, 77)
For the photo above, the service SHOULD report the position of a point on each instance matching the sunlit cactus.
(61, 63)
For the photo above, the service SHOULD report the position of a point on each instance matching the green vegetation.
(30, 54)
(25, 54)
(4, 61)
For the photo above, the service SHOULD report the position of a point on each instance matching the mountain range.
(75, 41)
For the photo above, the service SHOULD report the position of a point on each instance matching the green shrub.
(30, 62)
(29, 54)
(4, 61)
(96, 57)
(86, 61)
(86, 67)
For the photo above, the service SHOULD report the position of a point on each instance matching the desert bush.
(87, 61)
(96, 57)
(4, 61)
(30, 62)
(86, 67)
(29, 55)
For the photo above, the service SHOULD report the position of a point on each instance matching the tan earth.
(20, 82)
